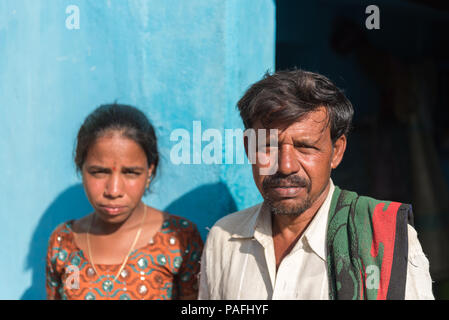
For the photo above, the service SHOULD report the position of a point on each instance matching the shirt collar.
(258, 225)
(315, 233)
(247, 225)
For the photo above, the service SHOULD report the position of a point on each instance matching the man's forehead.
(312, 123)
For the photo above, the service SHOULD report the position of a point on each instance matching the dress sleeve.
(419, 282)
(53, 274)
(190, 267)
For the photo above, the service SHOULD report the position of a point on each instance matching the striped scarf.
(367, 247)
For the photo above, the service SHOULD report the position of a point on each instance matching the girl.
(124, 249)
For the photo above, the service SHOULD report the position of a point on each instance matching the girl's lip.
(113, 209)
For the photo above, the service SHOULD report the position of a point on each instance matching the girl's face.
(115, 175)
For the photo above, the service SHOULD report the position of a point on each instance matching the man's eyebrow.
(306, 141)
(312, 139)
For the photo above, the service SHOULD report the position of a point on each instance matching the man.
(309, 239)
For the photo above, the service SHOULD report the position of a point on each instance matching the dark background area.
(397, 78)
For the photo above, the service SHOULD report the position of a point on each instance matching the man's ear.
(339, 148)
(245, 144)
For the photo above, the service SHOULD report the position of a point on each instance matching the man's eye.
(304, 146)
(132, 173)
(267, 146)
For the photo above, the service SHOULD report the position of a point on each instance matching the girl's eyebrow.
(136, 168)
(96, 167)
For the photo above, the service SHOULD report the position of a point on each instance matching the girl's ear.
(150, 170)
(150, 174)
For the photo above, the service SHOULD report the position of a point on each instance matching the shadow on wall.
(70, 204)
(203, 206)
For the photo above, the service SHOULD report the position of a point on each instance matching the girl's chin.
(112, 218)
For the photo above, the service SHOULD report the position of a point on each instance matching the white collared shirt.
(238, 260)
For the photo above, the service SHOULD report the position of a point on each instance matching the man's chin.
(287, 208)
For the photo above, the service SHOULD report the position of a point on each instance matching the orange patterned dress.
(166, 268)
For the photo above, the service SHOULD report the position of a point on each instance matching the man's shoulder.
(366, 199)
(369, 208)
(238, 222)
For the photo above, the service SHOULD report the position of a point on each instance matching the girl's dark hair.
(130, 121)
(285, 96)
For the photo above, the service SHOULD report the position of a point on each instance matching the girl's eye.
(97, 173)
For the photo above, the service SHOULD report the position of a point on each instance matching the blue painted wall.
(179, 61)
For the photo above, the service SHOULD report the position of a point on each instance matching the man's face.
(305, 158)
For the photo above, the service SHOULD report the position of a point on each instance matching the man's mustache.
(280, 180)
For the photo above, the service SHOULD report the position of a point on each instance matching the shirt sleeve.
(419, 283)
(190, 267)
(203, 293)
(53, 277)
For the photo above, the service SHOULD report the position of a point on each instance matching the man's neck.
(290, 228)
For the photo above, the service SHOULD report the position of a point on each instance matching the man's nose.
(114, 186)
(288, 163)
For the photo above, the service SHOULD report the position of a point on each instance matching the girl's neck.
(100, 227)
